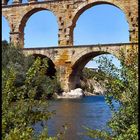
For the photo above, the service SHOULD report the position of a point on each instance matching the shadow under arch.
(50, 71)
(85, 7)
(6, 29)
(78, 66)
(26, 17)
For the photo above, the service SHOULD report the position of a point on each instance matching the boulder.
(76, 93)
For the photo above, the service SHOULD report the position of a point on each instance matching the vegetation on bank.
(122, 85)
(92, 81)
(25, 87)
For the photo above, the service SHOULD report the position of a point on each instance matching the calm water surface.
(91, 111)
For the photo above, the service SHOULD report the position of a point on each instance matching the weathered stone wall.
(67, 13)
(69, 61)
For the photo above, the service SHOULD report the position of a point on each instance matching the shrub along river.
(90, 111)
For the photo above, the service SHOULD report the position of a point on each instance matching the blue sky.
(99, 24)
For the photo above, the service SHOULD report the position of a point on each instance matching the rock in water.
(76, 93)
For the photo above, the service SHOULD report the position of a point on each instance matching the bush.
(122, 85)
(23, 78)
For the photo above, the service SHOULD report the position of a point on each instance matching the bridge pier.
(63, 72)
(4, 2)
(69, 61)
(68, 84)
(17, 39)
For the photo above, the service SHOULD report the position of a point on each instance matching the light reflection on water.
(90, 111)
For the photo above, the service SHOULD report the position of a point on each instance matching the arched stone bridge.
(67, 13)
(70, 61)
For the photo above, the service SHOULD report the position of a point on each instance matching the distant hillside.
(92, 81)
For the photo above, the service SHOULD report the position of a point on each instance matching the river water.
(90, 111)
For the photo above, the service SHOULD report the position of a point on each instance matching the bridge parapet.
(79, 50)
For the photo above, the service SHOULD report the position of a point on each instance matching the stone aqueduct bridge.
(70, 61)
(67, 13)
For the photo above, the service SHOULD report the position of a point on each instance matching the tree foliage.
(23, 80)
(90, 79)
(122, 85)
(92, 74)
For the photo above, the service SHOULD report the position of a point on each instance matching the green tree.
(122, 85)
(21, 80)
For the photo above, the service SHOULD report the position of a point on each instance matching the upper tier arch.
(33, 12)
(29, 13)
(67, 13)
(85, 6)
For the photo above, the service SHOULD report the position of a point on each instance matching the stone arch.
(78, 66)
(51, 70)
(83, 7)
(25, 18)
(8, 24)
(8, 21)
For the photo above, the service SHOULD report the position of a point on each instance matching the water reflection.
(90, 111)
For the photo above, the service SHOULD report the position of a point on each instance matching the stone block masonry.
(67, 13)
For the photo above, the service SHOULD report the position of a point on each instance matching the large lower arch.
(25, 19)
(85, 6)
(78, 66)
